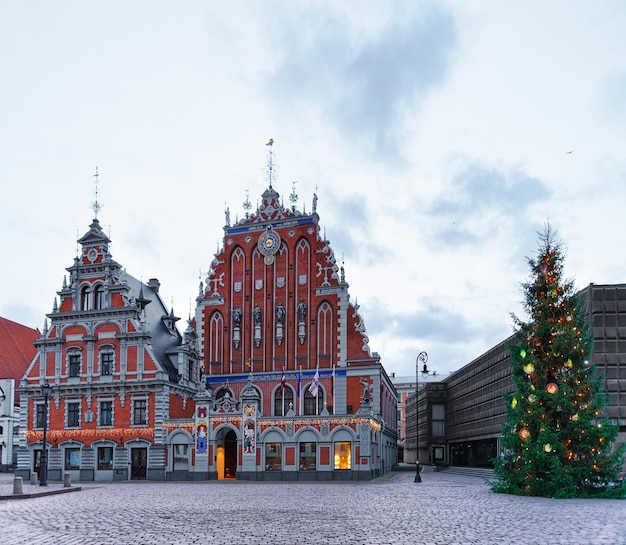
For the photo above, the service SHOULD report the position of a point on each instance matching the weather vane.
(95, 205)
(270, 162)
(293, 197)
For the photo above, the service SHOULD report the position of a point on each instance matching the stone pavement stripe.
(443, 509)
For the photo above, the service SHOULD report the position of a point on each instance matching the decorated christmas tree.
(557, 439)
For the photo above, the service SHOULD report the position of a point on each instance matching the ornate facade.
(272, 379)
(294, 391)
(118, 368)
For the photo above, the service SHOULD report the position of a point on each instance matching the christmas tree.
(557, 439)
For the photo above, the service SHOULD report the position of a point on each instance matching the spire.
(141, 301)
(95, 205)
(270, 162)
(293, 197)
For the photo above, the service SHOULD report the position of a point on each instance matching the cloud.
(362, 80)
(480, 200)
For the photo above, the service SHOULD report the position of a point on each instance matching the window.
(85, 296)
(343, 455)
(105, 457)
(308, 458)
(140, 412)
(181, 457)
(40, 415)
(73, 415)
(72, 458)
(309, 402)
(439, 419)
(190, 370)
(106, 363)
(273, 457)
(73, 365)
(98, 297)
(399, 415)
(106, 413)
(278, 401)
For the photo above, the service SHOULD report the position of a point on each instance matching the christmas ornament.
(547, 447)
(529, 368)
(524, 433)
(552, 388)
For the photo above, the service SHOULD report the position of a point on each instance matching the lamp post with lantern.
(422, 357)
(43, 474)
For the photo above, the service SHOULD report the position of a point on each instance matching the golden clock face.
(268, 244)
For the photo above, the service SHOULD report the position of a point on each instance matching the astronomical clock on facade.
(272, 379)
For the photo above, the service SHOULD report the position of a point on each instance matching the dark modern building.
(460, 418)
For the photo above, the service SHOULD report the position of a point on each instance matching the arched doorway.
(226, 456)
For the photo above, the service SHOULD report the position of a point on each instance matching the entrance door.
(139, 463)
(230, 455)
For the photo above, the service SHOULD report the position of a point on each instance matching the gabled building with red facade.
(272, 379)
(118, 368)
(294, 391)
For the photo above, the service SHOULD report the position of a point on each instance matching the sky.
(440, 137)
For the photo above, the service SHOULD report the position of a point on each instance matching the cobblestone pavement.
(442, 510)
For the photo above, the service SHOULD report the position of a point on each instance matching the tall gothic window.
(278, 401)
(85, 298)
(309, 401)
(98, 297)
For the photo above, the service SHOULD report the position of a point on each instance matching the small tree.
(557, 439)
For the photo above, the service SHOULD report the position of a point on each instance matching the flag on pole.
(282, 382)
(299, 381)
(315, 384)
(333, 388)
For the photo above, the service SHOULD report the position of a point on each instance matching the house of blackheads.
(271, 379)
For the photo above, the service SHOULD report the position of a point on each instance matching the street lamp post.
(422, 357)
(43, 472)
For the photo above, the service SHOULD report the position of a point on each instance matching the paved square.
(443, 509)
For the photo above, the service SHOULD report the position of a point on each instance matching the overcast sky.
(440, 137)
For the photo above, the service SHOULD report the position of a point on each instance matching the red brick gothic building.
(272, 379)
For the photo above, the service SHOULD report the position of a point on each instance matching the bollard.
(18, 486)
(33, 478)
(67, 480)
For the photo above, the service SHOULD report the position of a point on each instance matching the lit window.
(273, 457)
(343, 455)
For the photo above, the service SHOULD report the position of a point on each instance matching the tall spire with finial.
(95, 205)
(247, 205)
(270, 162)
(293, 197)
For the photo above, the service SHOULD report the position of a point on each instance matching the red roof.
(16, 349)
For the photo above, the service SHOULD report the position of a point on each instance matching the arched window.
(309, 401)
(281, 406)
(98, 297)
(85, 298)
